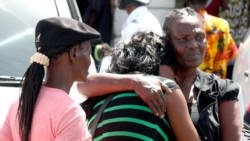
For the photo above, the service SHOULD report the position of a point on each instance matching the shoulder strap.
(93, 126)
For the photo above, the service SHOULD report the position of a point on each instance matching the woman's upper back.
(126, 115)
(56, 116)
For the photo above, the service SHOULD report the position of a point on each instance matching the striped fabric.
(246, 131)
(246, 127)
(127, 118)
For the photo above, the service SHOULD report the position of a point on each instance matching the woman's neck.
(186, 74)
(61, 80)
(185, 78)
(131, 8)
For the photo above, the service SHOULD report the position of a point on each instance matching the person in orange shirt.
(221, 47)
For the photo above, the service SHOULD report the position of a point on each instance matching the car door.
(18, 21)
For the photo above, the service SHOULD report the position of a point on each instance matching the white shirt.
(141, 19)
(106, 61)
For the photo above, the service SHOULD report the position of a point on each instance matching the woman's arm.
(179, 117)
(230, 120)
(150, 90)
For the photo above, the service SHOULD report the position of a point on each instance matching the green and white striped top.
(128, 118)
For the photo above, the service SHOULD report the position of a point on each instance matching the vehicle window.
(18, 20)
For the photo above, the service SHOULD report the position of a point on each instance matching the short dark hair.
(141, 54)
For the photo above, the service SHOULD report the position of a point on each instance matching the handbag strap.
(93, 125)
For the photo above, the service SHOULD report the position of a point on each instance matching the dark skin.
(188, 41)
(129, 8)
(101, 84)
(69, 67)
(150, 90)
(174, 104)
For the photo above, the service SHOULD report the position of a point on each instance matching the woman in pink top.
(44, 111)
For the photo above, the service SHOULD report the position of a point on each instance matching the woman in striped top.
(127, 117)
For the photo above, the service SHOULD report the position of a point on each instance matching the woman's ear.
(73, 54)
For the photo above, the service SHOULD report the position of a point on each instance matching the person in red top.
(213, 7)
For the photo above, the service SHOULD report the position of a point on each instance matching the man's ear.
(73, 53)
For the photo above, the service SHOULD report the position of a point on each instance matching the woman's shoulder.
(229, 90)
(165, 81)
(226, 88)
(222, 83)
(56, 102)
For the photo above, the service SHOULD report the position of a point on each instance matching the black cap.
(60, 31)
(124, 3)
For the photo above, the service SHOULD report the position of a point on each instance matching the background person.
(221, 47)
(44, 110)
(237, 13)
(99, 15)
(213, 7)
(139, 19)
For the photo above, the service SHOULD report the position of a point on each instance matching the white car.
(18, 21)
